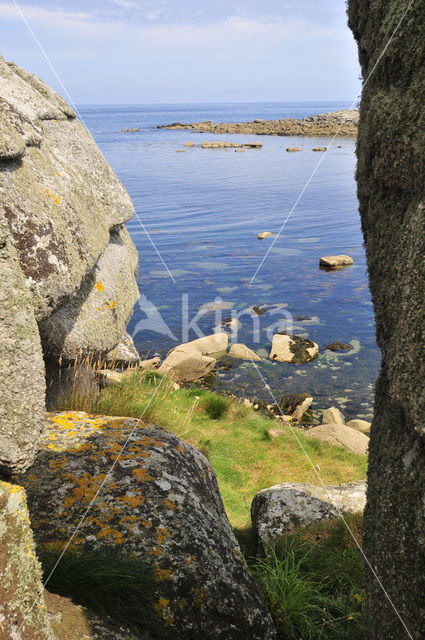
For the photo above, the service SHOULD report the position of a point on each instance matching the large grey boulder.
(66, 260)
(22, 384)
(162, 501)
(283, 507)
(61, 199)
(390, 178)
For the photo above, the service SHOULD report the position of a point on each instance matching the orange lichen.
(99, 286)
(170, 504)
(179, 448)
(141, 474)
(163, 574)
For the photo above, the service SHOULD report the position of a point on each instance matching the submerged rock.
(339, 346)
(279, 509)
(161, 500)
(293, 349)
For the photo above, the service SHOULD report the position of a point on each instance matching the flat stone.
(341, 436)
(292, 349)
(333, 262)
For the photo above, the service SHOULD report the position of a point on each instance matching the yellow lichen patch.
(163, 574)
(170, 504)
(99, 286)
(162, 609)
(141, 474)
(179, 448)
(162, 535)
(108, 533)
(58, 174)
(147, 523)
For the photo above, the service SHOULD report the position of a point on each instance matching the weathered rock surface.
(276, 510)
(209, 345)
(66, 260)
(243, 352)
(341, 436)
(335, 262)
(342, 123)
(293, 349)
(301, 408)
(94, 319)
(161, 500)
(22, 606)
(390, 178)
(359, 425)
(333, 416)
(61, 199)
(22, 384)
(124, 353)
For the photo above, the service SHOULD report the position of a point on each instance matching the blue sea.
(198, 217)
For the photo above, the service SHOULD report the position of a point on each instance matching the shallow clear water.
(204, 209)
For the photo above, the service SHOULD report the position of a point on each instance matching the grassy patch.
(312, 582)
(106, 582)
(236, 440)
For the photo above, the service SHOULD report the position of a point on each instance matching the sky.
(173, 51)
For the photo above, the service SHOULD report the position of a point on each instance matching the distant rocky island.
(342, 123)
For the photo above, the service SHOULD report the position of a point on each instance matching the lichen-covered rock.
(94, 318)
(160, 499)
(22, 385)
(22, 606)
(124, 353)
(59, 195)
(293, 349)
(276, 510)
(391, 178)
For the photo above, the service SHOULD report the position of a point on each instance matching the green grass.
(106, 582)
(235, 438)
(312, 583)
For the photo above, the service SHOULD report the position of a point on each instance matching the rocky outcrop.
(160, 500)
(391, 178)
(342, 123)
(67, 262)
(23, 614)
(279, 509)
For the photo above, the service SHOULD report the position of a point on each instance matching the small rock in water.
(242, 352)
(320, 148)
(260, 311)
(296, 349)
(263, 235)
(339, 346)
(189, 144)
(180, 151)
(292, 149)
(129, 130)
(334, 262)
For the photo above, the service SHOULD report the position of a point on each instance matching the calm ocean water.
(204, 209)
